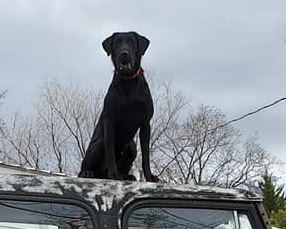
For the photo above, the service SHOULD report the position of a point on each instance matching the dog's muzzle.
(125, 61)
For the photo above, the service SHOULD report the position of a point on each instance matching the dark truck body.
(40, 202)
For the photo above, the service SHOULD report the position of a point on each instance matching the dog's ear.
(107, 45)
(143, 43)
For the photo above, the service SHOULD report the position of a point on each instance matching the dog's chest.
(129, 117)
(132, 111)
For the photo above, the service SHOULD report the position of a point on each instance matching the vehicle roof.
(104, 194)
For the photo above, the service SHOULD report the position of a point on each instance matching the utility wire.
(249, 114)
(229, 122)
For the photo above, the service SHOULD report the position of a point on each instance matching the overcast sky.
(229, 54)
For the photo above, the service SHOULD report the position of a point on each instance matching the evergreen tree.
(273, 195)
(278, 219)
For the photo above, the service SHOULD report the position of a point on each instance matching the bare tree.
(186, 145)
(250, 162)
(169, 105)
(2, 96)
(58, 133)
(190, 146)
(195, 150)
(69, 114)
(2, 123)
(22, 142)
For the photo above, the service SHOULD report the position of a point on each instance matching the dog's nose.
(124, 54)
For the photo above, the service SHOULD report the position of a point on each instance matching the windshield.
(42, 215)
(183, 218)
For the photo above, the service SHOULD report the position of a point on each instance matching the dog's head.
(126, 50)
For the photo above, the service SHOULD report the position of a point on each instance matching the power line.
(227, 123)
(249, 114)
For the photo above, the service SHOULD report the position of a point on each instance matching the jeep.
(57, 202)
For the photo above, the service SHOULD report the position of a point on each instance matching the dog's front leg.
(112, 172)
(144, 135)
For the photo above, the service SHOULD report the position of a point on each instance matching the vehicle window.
(244, 221)
(43, 215)
(186, 218)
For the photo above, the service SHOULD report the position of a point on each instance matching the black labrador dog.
(128, 107)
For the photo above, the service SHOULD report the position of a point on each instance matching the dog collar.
(138, 73)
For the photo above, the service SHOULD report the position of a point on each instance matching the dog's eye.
(130, 40)
(118, 40)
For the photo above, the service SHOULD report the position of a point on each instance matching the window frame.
(56, 199)
(243, 207)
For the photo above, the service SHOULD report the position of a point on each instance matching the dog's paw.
(153, 178)
(129, 177)
(115, 176)
(86, 174)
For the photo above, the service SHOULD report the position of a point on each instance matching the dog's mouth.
(125, 65)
